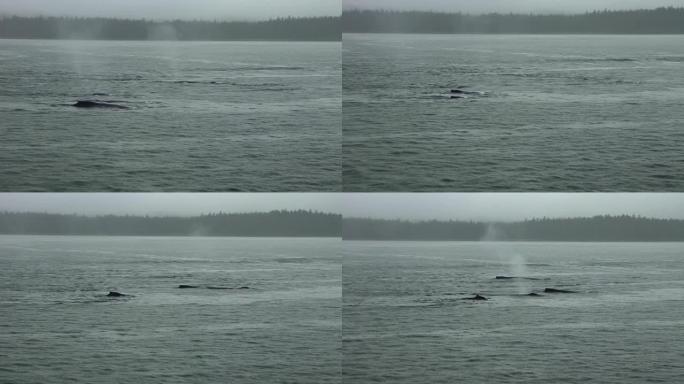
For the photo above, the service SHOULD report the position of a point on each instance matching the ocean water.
(58, 326)
(542, 113)
(405, 321)
(203, 116)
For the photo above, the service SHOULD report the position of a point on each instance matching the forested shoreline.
(284, 29)
(267, 224)
(664, 20)
(598, 228)
(300, 223)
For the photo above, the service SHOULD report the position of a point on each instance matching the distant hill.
(646, 21)
(598, 228)
(304, 29)
(268, 224)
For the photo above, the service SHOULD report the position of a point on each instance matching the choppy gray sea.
(534, 113)
(203, 116)
(57, 324)
(405, 320)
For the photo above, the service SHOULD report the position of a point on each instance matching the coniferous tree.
(664, 20)
(276, 223)
(598, 228)
(305, 28)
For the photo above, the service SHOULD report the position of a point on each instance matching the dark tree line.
(659, 21)
(268, 224)
(317, 224)
(305, 29)
(598, 228)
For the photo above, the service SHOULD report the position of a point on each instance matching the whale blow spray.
(517, 264)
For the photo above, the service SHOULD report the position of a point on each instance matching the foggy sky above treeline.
(173, 9)
(507, 6)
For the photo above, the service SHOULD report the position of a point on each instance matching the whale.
(515, 277)
(97, 104)
(115, 294)
(555, 290)
(462, 92)
(188, 286)
(214, 287)
(476, 297)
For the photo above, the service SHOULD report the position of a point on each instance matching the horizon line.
(343, 217)
(513, 221)
(531, 13)
(165, 20)
(165, 215)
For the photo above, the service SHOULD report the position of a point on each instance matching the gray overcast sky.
(165, 203)
(509, 206)
(526, 6)
(171, 9)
